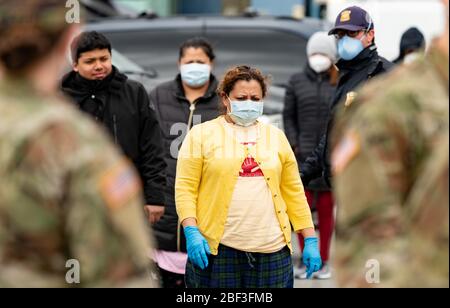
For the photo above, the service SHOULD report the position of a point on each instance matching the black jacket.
(305, 114)
(353, 74)
(122, 106)
(172, 111)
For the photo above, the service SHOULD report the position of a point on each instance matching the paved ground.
(315, 283)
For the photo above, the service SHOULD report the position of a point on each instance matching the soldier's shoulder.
(54, 124)
(399, 85)
(69, 123)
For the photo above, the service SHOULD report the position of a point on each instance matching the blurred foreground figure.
(70, 205)
(390, 160)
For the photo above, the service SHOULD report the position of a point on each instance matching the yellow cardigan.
(208, 168)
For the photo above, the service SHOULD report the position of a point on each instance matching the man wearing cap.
(359, 62)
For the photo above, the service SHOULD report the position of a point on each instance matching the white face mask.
(245, 113)
(195, 75)
(320, 63)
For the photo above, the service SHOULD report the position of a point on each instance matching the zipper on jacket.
(191, 115)
(318, 105)
(115, 129)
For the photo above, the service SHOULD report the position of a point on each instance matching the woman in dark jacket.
(179, 104)
(305, 115)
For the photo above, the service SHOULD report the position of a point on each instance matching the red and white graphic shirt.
(252, 224)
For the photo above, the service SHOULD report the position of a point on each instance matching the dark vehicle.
(96, 9)
(134, 71)
(276, 45)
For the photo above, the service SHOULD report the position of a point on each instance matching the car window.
(277, 53)
(154, 49)
(123, 63)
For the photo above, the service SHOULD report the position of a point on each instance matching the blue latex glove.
(311, 256)
(197, 247)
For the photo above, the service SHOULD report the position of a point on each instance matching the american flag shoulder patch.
(346, 150)
(119, 185)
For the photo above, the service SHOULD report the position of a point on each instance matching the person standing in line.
(359, 63)
(412, 45)
(305, 116)
(179, 104)
(122, 106)
(238, 191)
(71, 206)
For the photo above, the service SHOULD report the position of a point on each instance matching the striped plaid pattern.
(232, 268)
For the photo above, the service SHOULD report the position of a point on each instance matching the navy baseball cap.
(352, 18)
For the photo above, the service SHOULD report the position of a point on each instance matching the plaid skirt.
(232, 268)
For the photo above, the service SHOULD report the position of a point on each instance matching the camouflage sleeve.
(370, 165)
(428, 222)
(381, 135)
(378, 160)
(100, 204)
(414, 255)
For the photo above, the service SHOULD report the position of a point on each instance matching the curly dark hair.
(237, 73)
(242, 72)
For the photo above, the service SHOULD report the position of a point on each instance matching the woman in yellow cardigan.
(238, 191)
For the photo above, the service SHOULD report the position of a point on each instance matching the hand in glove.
(197, 247)
(311, 256)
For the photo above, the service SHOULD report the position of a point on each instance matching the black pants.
(171, 280)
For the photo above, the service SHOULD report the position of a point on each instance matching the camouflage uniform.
(387, 176)
(65, 192)
(428, 223)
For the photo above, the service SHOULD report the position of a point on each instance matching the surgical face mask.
(195, 75)
(319, 63)
(245, 113)
(349, 48)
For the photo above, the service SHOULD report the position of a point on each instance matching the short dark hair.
(198, 42)
(88, 41)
